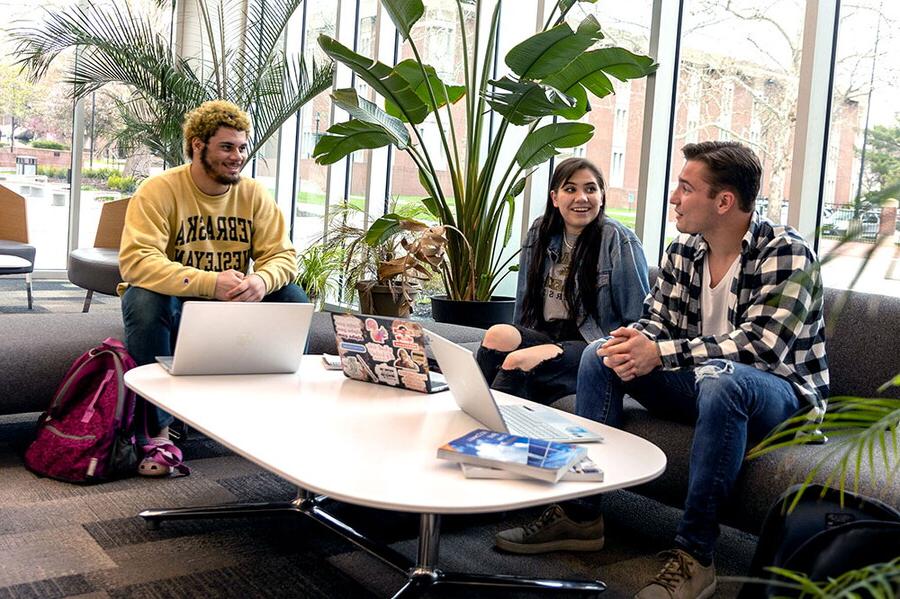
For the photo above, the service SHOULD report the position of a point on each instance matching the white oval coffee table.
(373, 446)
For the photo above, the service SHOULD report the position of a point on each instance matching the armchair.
(16, 256)
(97, 268)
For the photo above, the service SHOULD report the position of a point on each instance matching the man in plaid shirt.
(732, 340)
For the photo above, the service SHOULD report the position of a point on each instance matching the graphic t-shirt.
(555, 307)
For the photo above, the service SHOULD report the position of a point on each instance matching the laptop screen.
(382, 350)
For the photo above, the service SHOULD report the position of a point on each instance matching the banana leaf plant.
(550, 75)
(241, 60)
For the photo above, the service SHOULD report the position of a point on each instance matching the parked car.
(840, 222)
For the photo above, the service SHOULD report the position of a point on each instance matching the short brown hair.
(205, 120)
(730, 165)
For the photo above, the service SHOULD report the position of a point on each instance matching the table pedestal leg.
(153, 517)
(425, 573)
(421, 575)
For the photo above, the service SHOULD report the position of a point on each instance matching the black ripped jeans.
(546, 382)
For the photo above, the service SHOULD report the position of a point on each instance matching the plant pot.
(384, 300)
(499, 310)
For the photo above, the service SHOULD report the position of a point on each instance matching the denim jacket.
(621, 278)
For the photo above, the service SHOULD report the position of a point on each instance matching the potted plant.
(317, 267)
(386, 263)
(550, 75)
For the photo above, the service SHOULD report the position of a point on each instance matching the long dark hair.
(585, 254)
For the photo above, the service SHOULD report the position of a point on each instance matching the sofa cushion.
(37, 350)
(862, 330)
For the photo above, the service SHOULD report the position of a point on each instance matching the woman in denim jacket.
(560, 309)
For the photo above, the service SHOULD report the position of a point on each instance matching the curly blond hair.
(205, 120)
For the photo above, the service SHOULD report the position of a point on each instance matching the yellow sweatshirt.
(176, 238)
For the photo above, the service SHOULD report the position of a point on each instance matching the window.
(616, 145)
(738, 81)
(857, 201)
(315, 118)
(36, 122)
(437, 37)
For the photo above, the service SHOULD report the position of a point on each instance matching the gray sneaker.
(682, 577)
(553, 531)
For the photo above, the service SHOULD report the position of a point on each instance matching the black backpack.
(822, 538)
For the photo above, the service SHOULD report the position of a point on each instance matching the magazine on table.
(584, 471)
(535, 458)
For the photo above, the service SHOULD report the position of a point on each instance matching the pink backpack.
(86, 435)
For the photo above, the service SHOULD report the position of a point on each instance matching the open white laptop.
(239, 338)
(473, 396)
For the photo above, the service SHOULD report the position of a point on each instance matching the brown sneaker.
(553, 531)
(682, 577)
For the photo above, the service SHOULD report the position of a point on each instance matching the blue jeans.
(731, 406)
(151, 327)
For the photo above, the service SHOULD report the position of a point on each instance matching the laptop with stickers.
(385, 351)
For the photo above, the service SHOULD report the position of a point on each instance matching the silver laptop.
(474, 397)
(239, 338)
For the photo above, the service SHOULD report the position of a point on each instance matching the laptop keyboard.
(520, 423)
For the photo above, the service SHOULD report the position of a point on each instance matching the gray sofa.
(36, 350)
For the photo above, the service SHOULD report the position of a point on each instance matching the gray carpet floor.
(63, 540)
(49, 295)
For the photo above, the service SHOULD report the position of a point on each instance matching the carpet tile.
(262, 486)
(271, 579)
(49, 295)
(34, 556)
(50, 588)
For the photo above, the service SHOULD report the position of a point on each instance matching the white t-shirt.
(714, 300)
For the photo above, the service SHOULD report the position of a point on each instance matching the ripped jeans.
(731, 405)
(546, 382)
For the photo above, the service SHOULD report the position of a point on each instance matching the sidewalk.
(880, 275)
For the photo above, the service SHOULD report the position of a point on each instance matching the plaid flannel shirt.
(775, 306)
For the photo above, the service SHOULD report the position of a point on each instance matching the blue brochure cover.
(537, 458)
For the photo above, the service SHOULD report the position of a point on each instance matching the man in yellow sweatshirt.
(192, 232)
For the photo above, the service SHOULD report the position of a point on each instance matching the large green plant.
(550, 75)
(242, 61)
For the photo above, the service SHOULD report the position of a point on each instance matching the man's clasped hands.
(234, 286)
(629, 353)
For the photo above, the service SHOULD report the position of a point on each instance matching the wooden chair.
(97, 268)
(16, 256)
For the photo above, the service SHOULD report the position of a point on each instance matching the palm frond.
(240, 61)
(265, 24)
(155, 127)
(879, 581)
(288, 85)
